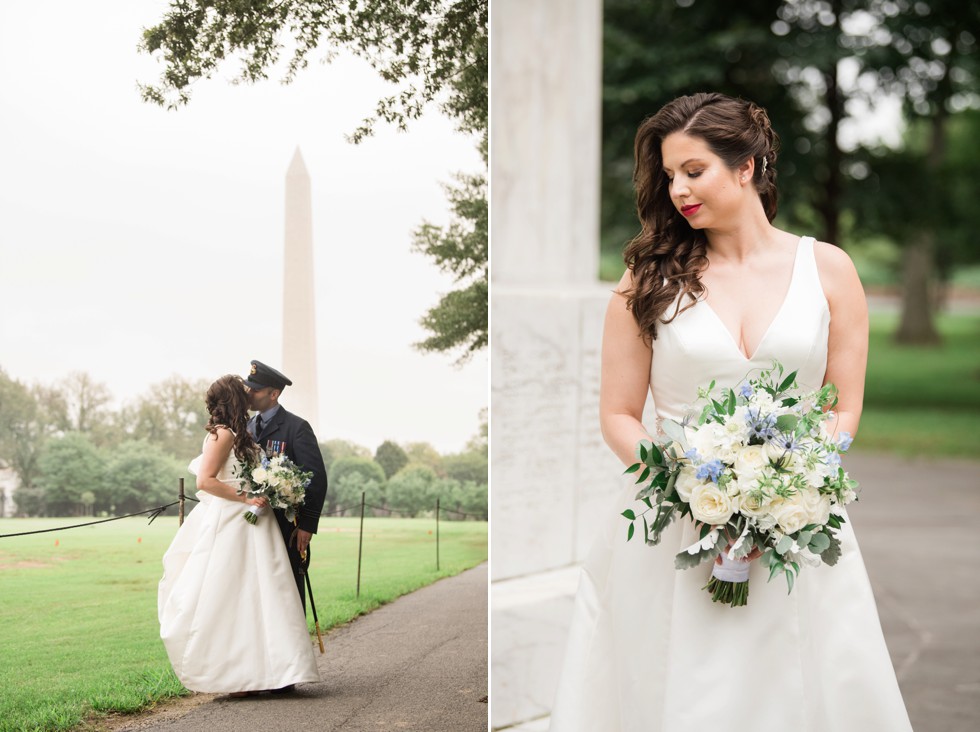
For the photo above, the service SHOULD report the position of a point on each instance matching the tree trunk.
(829, 205)
(919, 295)
(917, 324)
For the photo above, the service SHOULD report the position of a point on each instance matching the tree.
(348, 490)
(460, 319)
(29, 416)
(171, 415)
(340, 472)
(70, 466)
(424, 454)
(390, 457)
(333, 450)
(926, 54)
(480, 442)
(466, 466)
(139, 475)
(411, 490)
(86, 401)
(437, 50)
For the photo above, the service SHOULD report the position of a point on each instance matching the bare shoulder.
(222, 435)
(836, 269)
(837, 273)
(625, 283)
(832, 259)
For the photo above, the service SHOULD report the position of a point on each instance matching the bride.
(713, 291)
(230, 617)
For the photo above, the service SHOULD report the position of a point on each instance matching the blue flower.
(710, 470)
(761, 428)
(787, 442)
(833, 459)
(692, 455)
(844, 441)
(746, 390)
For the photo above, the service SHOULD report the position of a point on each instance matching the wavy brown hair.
(227, 404)
(667, 256)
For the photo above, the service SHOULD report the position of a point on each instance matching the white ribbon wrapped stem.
(731, 570)
(257, 510)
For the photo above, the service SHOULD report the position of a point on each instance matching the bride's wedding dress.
(648, 649)
(230, 616)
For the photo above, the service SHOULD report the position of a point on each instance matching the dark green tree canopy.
(436, 50)
(391, 457)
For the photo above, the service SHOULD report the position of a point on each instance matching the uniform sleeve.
(308, 456)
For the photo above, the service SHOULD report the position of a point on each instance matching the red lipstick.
(690, 210)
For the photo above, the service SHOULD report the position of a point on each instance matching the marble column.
(552, 475)
(298, 297)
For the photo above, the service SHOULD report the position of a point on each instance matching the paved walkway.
(418, 664)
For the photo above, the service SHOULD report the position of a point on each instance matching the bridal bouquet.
(757, 468)
(277, 478)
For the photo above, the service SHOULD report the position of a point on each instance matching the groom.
(277, 430)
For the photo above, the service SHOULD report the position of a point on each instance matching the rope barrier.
(153, 512)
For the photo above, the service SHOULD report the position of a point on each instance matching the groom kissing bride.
(229, 618)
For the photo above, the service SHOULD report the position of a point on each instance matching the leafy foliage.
(391, 457)
(435, 49)
(413, 490)
(460, 319)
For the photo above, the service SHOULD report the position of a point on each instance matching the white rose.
(260, 475)
(750, 461)
(705, 443)
(817, 506)
(711, 505)
(686, 482)
(791, 514)
(754, 504)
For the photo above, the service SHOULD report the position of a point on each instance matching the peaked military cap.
(261, 376)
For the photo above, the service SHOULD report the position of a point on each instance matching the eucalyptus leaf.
(819, 543)
(783, 545)
(787, 422)
(674, 431)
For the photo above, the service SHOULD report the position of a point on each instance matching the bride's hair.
(667, 255)
(227, 404)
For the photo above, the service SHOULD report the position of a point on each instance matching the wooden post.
(360, 546)
(180, 507)
(437, 534)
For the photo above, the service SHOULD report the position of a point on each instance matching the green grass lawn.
(79, 615)
(923, 400)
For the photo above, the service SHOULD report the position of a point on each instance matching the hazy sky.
(137, 243)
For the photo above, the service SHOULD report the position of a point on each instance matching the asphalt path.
(418, 664)
(916, 523)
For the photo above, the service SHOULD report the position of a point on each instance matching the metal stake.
(360, 546)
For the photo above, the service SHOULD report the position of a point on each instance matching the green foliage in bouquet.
(755, 468)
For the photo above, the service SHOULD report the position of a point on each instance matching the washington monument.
(298, 301)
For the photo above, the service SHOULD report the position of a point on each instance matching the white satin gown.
(648, 649)
(230, 616)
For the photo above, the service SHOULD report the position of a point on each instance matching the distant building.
(8, 484)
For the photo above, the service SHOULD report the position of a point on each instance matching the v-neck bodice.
(696, 347)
